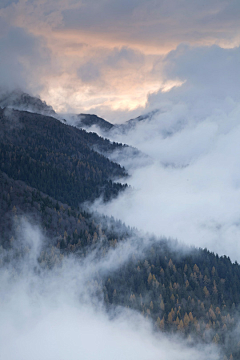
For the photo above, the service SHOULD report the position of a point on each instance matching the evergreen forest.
(48, 171)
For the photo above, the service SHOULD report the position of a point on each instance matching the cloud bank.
(191, 192)
(54, 314)
(25, 59)
(103, 56)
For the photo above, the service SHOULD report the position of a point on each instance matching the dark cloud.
(6, 3)
(158, 22)
(24, 59)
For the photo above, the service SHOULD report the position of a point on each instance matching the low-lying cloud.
(54, 314)
(191, 191)
(104, 56)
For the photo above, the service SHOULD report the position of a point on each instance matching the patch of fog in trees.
(58, 313)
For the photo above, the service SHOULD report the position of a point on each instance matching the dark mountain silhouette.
(55, 158)
(88, 120)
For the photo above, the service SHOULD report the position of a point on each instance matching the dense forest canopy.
(56, 158)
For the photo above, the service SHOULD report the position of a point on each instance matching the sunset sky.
(178, 63)
(106, 56)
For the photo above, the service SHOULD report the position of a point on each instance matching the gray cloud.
(212, 68)
(89, 72)
(94, 14)
(25, 59)
(116, 59)
(158, 22)
(6, 3)
(123, 42)
(124, 56)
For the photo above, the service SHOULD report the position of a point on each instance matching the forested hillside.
(56, 158)
(189, 291)
(47, 170)
(88, 120)
(194, 293)
(67, 228)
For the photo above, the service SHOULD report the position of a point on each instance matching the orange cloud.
(104, 53)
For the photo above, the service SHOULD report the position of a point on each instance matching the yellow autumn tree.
(162, 306)
(150, 278)
(180, 326)
(186, 320)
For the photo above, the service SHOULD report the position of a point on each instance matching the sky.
(121, 59)
(105, 56)
(124, 59)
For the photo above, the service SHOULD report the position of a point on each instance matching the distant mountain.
(147, 116)
(117, 152)
(88, 120)
(21, 101)
(132, 123)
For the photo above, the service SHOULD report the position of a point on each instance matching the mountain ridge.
(36, 148)
(48, 170)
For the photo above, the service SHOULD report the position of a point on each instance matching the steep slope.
(192, 292)
(132, 123)
(115, 151)
(88, 120)
(55, 158)
(46, 170)
(66, 228)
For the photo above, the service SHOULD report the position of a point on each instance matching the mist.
(190, 191)
(56, 313)
(177, 65)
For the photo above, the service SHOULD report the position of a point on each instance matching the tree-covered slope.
(193, 292)
(55, 158)
(46, 170)
(190, 291)
(88, 120)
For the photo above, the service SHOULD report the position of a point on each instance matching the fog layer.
(192, 189)
(55, 314)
